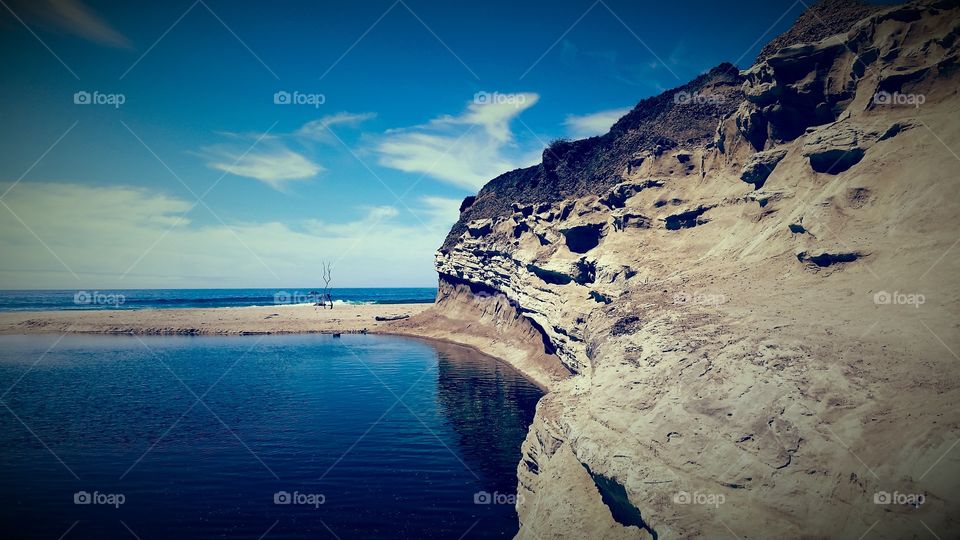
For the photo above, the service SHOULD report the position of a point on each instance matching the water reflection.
(490, 407)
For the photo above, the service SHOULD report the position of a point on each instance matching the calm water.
(198, 434)
(201, 298)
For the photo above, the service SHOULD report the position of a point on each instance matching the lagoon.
(292, 436)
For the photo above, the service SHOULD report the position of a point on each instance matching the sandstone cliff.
(741, 298)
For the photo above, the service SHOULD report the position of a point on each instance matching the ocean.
(43, 300)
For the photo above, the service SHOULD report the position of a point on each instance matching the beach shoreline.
(250, 320)
(415, 323)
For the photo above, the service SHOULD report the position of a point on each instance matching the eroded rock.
(760, 167)
(835, 149)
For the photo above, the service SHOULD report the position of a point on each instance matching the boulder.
(760, 165)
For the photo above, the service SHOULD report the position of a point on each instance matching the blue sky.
(368, 174)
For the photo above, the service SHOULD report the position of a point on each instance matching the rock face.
(770, 359)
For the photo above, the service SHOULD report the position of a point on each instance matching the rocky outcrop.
(760, 166)
(835, 149)
(810, 84)
(716, 282)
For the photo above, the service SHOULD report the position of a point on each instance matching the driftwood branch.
(326, 298)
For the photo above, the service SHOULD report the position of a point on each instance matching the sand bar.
(281, 319)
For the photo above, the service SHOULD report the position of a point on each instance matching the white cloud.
(100, 232)
(319, 129)
(466, 150)
(269, 161)
(357, 228)
(588, 125)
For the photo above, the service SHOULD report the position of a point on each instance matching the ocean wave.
(353, 302)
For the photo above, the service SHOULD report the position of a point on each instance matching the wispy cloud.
(101, 231)
(74, 17)
(274, 168)
(319, 129)
(432, 216)
(465, 150)
(588, 125)
(352, 229)
(270, 161)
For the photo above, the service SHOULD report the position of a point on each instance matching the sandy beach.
(281, 319)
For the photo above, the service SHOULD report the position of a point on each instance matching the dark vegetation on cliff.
(685, 116)
(821, 21)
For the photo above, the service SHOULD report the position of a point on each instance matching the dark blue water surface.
(199, 435)
(201, 298)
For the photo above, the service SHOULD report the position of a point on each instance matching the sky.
(215, 143)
